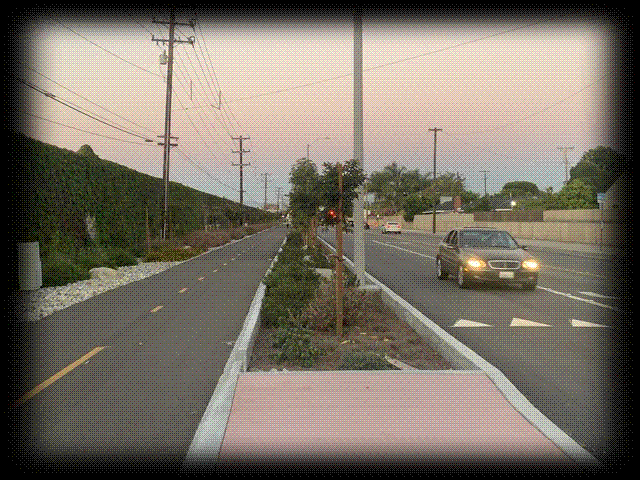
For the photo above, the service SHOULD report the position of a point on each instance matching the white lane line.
(521, 322)
(202, 278)
(469, 323)
(404, 249)
(597, 295)
(582, 323)
(573, 297)
(183, 290)
(155, 309)
(568, 270)
(538, 286)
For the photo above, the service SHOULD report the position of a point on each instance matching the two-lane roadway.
(562, 345)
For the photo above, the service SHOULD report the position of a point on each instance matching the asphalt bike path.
(121, 380)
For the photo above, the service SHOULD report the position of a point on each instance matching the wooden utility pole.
(241, 151)
(485, 181)
(265, 175)
(339, 281)
(146, 211)
(566, 163)
(278, 190)
(435, 133)
(167, 118)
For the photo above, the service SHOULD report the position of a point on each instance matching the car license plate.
(506, 274)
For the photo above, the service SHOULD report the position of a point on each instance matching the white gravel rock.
(37, 304)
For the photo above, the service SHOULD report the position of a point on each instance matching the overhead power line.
(78, 109)
(384, 65)
(107, 51)
(86, 99)
(87, 131)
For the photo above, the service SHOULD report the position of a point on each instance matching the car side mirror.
(524, 247)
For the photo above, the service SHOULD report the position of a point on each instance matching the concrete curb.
(462, 357)
(206, 442)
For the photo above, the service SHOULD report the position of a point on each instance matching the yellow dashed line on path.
(57, 376)
(154, 310)
(183, 290)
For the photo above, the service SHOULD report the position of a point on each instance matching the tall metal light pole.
(435, 133)
(358, 149)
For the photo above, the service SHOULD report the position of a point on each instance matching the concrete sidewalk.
(453, 417)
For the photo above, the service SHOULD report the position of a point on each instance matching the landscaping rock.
(103, 272)
(325, 272)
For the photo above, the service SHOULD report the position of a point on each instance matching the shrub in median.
(291, 284)
(357, 360)
(295, 346)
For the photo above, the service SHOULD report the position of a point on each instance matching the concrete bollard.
(29, 266)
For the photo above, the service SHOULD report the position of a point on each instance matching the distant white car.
(391, 227)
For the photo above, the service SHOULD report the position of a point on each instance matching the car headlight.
(476, 263)
(531, 264)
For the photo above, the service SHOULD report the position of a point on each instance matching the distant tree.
(394, 183)
(481, 205)
(448, 183)
(413, 205)
(305, 196)
(599, 167)
(577, 194)
(469, 197)
(520, 189)
(352, 177)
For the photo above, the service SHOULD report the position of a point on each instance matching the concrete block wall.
(572, 226)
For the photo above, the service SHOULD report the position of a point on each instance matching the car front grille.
(504, 264)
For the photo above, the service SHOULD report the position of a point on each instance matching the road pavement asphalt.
(136, 404)
(123, 378)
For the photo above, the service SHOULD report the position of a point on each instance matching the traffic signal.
(332, 216)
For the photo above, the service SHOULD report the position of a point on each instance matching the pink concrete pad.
(384, 415)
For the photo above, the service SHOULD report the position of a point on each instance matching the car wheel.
(442, 273)
(463, 280)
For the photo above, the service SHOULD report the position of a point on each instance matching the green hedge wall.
(52, 190)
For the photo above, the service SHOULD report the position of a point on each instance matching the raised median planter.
(374, 337)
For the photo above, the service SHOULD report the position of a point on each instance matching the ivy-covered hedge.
(52, 190)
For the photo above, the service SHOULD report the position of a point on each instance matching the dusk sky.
(505, 92)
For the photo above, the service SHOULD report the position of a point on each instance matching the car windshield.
(487, 239)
